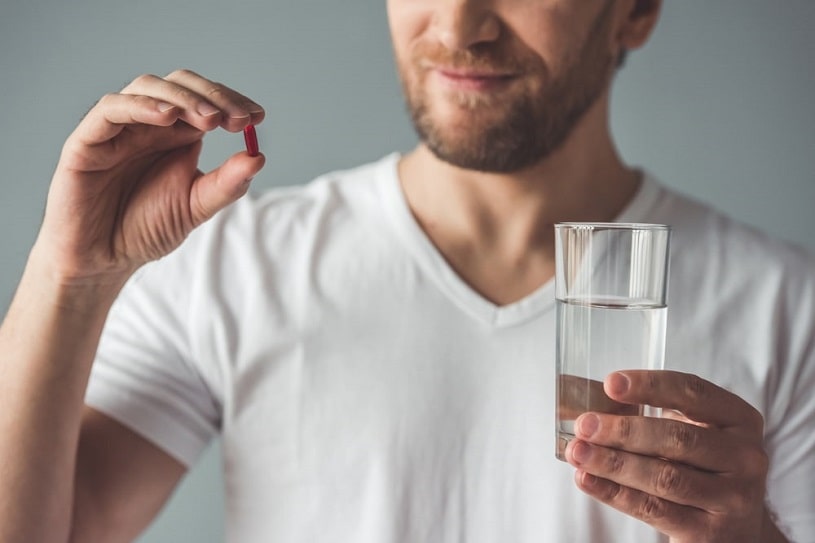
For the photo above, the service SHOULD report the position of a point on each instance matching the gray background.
(719, 105)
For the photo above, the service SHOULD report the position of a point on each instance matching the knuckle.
(613, 494)
(743, 498)
(180, 73)
(144, 79)
(216, 91)
(651, 508)
(200, 211)
(652, 381)
(615, 463)
(105, 100)
(185, 95)
(695, 388)
(682, 437)
(668, 480)
(624, 428)
(70, 149)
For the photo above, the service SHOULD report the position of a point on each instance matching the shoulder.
(741, 302)
(735, 290)
(715, 243)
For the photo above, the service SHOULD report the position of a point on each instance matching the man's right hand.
(127, 188)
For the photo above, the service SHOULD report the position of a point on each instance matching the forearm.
(47, 345)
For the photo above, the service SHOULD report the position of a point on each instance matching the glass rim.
(611, 226)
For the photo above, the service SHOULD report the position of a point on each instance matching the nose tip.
(461, 24)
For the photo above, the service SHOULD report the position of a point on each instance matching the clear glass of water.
(611, 287)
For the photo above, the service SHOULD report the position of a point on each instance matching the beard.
(529, 119)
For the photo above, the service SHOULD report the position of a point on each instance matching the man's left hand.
(697, 474)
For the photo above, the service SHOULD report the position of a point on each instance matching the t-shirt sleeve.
(790, 430)
(145, 375)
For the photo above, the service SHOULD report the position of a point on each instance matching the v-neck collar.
(449, 282)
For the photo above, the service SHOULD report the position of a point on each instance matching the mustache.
(488, 58)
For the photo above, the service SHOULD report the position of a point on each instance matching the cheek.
(409, 20)
(551, 33)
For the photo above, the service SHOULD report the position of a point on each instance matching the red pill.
(251, 139)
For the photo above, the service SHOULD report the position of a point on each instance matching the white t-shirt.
(366, 394)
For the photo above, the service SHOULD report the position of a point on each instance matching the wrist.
(68, 287)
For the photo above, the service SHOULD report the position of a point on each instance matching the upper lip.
(471, 73)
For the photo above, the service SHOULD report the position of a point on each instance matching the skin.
(127, 190)
(697, 474)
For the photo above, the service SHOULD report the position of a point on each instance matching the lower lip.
(479, 84)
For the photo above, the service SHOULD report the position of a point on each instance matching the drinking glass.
(611, 284)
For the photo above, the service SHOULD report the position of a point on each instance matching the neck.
(506, 220)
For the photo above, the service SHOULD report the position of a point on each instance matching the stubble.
(513, 130)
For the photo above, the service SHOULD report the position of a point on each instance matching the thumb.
(213, 191)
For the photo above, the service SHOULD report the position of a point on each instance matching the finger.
(577, 395)
(236, 106)
(665, 516)
(194, 108)
(696, 398)
(115, 111)
(710, 449)
(672, 481)
(215, 190)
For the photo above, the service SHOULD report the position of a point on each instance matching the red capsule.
(251, 139)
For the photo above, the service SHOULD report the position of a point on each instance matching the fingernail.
(206, 109)
(254, 108)
(588, 480)
(618, 383)
(239, 114)
(588, 425)
(581, 452)
(165, 106)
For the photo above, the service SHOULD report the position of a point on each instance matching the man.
(376, 348)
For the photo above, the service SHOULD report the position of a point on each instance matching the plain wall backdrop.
(719, 105)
